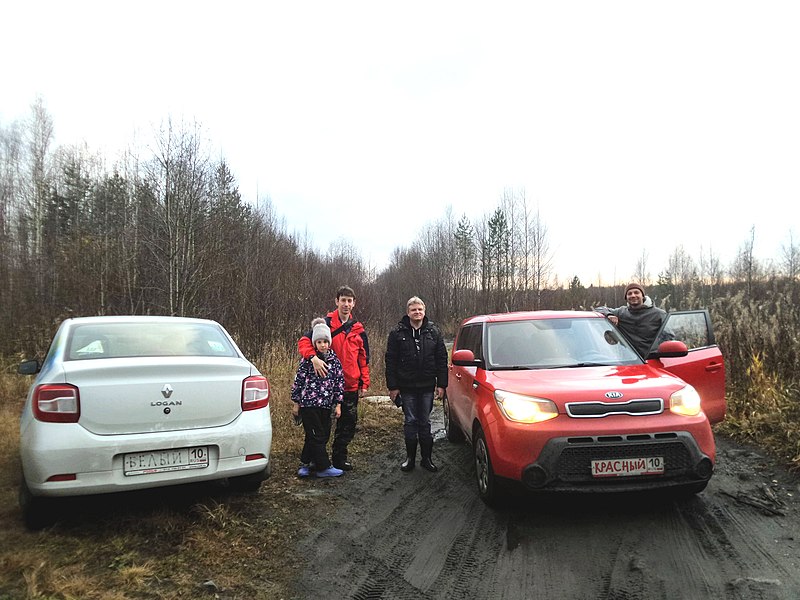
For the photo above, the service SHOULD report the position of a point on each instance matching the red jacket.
(352, 348)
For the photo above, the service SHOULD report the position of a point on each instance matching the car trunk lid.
(143, 395)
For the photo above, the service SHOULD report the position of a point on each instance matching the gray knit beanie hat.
(320, 330)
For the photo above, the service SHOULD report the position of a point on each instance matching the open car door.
(703, 367)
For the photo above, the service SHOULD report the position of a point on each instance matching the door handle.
(713, 367)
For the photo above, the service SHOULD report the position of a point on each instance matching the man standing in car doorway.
(349, 342)
(639, 320)
(416, 369)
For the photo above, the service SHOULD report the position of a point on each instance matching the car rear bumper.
(565, 463)
(96, 461)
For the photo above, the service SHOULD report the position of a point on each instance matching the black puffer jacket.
(407, 368)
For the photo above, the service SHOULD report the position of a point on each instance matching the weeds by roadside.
(766, 413)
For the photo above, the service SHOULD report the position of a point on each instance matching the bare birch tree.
(790, 258)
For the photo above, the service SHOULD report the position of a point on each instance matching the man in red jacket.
(349, 342)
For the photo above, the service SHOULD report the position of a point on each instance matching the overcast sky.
(630, 125)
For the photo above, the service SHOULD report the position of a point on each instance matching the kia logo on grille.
(166, 391)
(613, 395)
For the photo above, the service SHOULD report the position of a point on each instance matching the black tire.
(484, 473)
(454, 433)
(37, 512)
(249, 483)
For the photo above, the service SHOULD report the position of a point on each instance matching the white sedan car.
(133, 402)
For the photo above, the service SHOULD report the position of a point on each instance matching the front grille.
(637, 408)
(574, 463)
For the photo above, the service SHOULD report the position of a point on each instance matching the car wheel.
(37, 512)
(454, 434)
(487, 482)
(249, 483)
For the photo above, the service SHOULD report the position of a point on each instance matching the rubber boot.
(426, 446)
(411, 460)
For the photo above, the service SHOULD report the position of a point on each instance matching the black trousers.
(345, 428)
(317, 425)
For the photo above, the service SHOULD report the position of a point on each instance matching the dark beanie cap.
(633, 286)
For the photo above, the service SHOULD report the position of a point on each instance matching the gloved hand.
(398, 401)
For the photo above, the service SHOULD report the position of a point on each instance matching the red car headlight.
(685, 402)
(525, 409)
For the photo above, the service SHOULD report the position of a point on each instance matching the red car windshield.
(556, 343)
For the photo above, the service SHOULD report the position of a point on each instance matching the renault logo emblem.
(166, 391)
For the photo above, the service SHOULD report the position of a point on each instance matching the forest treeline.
(166, 231)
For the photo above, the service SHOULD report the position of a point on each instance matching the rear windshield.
(118, 340)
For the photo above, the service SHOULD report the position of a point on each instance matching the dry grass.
(190, 542)
(766, 412)
(13, 388)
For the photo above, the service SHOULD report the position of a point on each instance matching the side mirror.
(465, 358)
(670, 349)
(29, 367)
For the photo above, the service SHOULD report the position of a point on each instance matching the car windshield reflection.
(556, 344)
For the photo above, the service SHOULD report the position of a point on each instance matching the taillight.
(57, 403)
(255, 392)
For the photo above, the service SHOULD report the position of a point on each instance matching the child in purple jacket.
(314, 397)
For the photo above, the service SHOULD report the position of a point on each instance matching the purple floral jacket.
(310, 390)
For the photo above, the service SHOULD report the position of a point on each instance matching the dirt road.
(423, 535)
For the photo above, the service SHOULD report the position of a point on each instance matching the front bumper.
(565, 462)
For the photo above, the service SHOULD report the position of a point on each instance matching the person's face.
(634, 297)
(345, 304)
(416, 312)
(322, 345)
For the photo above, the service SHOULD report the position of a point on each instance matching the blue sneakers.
(303, 471)
(330, 472)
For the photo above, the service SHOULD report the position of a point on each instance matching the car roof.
(532, 315)
(134, 319)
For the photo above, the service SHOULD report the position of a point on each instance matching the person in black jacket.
(416, 369)
(639, 320)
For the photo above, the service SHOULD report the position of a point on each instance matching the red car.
(560, 401)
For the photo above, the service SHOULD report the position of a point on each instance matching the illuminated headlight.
(525, 409)
(685, 402)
